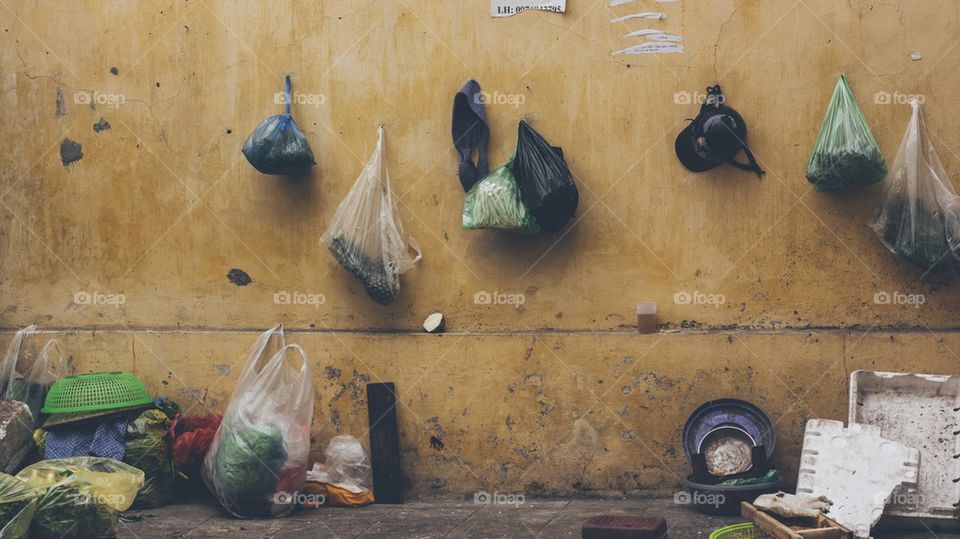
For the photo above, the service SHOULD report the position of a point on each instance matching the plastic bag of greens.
(495, 202)
(258, 459)
(17, 506)
(29, 384)
(148, 449)
(545, 179)
(920, 215)
(80, 497)
(366, 236)
(277, 146)
(846, 155)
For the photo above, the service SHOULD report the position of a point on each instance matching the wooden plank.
(825, 528)
(766, 522)
(384, 443)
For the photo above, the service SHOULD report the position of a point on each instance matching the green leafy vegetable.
(17, 505)
(496, 202)
(917, 234)
(148, 449)
(65, 511)
(247, 468)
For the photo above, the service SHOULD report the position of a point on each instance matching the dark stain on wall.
(238, 277)
(102, 125)
(61, 109)
(70, 151)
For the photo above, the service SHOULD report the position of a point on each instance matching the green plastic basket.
(747, 530)
(95, 392)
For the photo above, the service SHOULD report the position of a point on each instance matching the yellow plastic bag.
(109, 482)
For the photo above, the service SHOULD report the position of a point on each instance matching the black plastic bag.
(544, 179)
(277, 146)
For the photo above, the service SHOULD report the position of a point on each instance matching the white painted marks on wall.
(653, 40)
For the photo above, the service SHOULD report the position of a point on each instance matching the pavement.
(430, 518)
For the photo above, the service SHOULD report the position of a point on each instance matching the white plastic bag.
(346, 465)
(30, 384)
(366, 236)
(920, 216)
(257, 461)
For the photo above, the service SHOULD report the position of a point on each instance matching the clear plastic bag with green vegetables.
(846, 155)
(919, 219)
(80, 497)
(496, 202)
(17, 506)
(258, 458)
(366, 236)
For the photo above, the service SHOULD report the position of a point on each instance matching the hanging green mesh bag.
(495, 202)
(846, 155)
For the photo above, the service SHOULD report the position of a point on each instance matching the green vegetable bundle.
(17, 506)
(846, 154)
(382, 286)
(918, 235)
(920, 216)
(247, 468)
(79, 497)
(496, 202)
(148, 449)
(65, 511)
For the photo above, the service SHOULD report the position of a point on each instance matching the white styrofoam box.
(855, 468)
(921, 411)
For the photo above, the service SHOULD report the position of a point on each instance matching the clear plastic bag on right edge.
(846, 155)
(919, 219)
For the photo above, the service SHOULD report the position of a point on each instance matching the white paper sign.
(507, 8)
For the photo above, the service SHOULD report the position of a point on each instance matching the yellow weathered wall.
(558, 396)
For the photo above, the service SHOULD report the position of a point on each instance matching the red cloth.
(192, 437)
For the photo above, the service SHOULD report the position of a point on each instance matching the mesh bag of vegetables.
(80, 497)
(29, 384)
(366, 235)
(258, 458)
(277, 146)
(495, 202)
(148, 449)
(846, 155)
(17, 505)
(919, 219)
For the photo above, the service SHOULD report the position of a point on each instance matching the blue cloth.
(104, 438)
